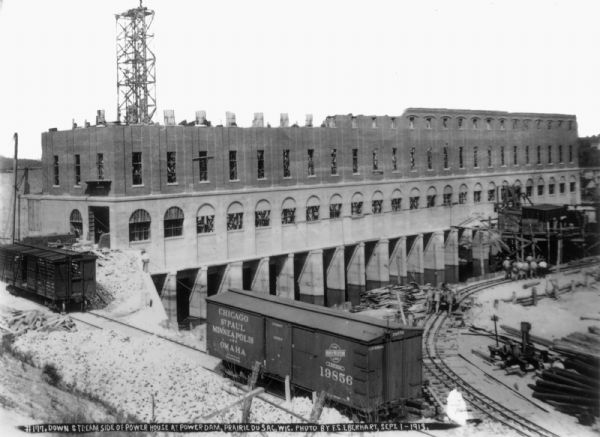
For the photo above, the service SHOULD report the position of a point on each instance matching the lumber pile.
(411, 296)
(19, 322)
(574, 390)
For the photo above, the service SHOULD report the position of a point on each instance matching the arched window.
(396, 200)
(377, 202)
(262, 214)
(313, 205)
(551, 186)
(504, 191)
(139, 225)
(235, 217)
(76, 223)
(205, 219)
(572, 184)
(288, 211)
(431, 195)
(529, 188)
(335, 207)
(415, 195)
(173, 222)
(477, 193)
(356, 205)
(447, 200)
(462, 194)
(562, 185)
(540, 187)
(491, 194)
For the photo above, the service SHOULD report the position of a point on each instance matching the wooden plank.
(233, 404)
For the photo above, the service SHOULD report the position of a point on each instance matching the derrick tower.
(136, 76)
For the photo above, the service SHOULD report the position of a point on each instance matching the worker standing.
(430, 300)
(145, 261)
(437, 297)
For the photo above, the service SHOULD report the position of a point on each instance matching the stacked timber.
(574, 390)
(20, 322)
(410, 299)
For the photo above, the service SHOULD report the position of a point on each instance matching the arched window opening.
(139, 225)
(76, 223)
(173, 222)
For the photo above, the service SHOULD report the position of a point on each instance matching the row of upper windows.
(488, 123)
(140, 221)
(171, 162)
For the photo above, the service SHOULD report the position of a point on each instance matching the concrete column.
(233, 277)
(451, 257)
(169, 299)
(433, 259)
(414, 264)
(336, 278)
(285, 278)
(199, 293)
(260, 282)
(378, 266)
(398, 262)
(356, 275)
(311, 280)
(481, 253)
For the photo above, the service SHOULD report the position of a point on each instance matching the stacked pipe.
(574, 390)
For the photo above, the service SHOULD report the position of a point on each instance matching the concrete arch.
(335, 198)
(517, 183)
(414, 192)
(263, 205)
(235, 207)
(288, 203)
(397, 193)
(313, 201)
(377, 195)
(174, 212)
(431, 191)
(205, 209)
(477, 187)
(357, 197)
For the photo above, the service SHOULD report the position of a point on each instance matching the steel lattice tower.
(136, 76)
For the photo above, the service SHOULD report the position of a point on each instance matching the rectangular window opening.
(100, 166)
(355, 161)
(286, 164)
(260, 164)
(205, 224)
(56, 171)
(262, 218)
(334, 168)
(233, 170)
(136, 168)
(77, 170)
(171, 168)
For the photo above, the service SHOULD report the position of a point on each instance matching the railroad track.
(444, 378)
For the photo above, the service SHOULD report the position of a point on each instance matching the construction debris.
(19, 322)
(574, 389)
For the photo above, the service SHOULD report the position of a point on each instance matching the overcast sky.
(321, 57)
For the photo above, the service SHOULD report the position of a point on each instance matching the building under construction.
(314, 213)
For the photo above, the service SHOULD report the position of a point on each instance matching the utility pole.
(16, 188)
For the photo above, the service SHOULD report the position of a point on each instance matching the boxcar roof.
(49, 253)
(351, 325)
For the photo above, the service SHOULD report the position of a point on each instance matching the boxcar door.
(303, 357)
(279, 348)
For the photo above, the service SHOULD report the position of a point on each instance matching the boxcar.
(362, 362)
(61, 278)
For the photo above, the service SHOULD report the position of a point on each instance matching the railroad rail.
(435, 367)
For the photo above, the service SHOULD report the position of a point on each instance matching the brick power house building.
(311, 213)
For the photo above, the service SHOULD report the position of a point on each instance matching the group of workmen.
(530, 268)
(440, 297)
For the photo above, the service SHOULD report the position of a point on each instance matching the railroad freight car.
(60, 278)
(362, 362)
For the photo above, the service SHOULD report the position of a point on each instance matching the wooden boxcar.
(362, 362)
(61, 278)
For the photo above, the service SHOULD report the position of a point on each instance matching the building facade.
(311, 212)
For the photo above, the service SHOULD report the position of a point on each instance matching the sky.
(323, 57)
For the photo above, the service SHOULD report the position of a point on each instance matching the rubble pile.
(20, 322)
(133, 374)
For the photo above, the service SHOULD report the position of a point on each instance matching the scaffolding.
(136, 77)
